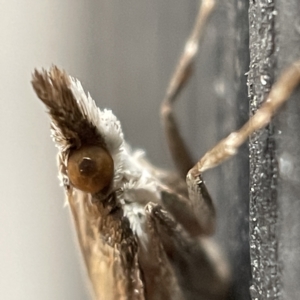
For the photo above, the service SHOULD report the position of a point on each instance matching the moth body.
(130, 232)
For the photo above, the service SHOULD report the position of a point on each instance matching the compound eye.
(90, 169)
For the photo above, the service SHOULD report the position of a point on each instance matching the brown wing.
(110, 273)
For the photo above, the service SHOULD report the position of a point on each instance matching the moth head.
(87, 137)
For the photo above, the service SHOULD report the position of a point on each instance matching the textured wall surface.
(274, 153)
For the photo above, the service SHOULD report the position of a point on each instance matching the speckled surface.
(266, 282)
(274, 200)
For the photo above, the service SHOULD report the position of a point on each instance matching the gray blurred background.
(124, 53)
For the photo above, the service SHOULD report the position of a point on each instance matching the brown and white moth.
(143, 231)
(136, 242)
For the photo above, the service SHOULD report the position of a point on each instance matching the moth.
(143, 231)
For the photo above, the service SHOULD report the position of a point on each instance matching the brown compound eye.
(90, 169)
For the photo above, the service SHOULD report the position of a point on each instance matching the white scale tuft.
(130, 176)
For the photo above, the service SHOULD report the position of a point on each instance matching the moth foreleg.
(228, 147)
(177, 147)
(196, 214)
(200, 270)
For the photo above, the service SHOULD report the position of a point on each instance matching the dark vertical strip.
(241, 64)
(222, 107)
(233, 62)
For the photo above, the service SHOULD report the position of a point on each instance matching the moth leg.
(198, 194)
(183, 70)
(202, 207)
(228, 147)
(206, 274)
(196, 215)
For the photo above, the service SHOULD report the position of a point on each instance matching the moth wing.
(104, 266)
